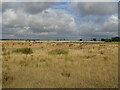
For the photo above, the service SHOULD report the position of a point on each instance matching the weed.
(87, 57)
(43, 60)
(101, 52)
(105, 58)
(6, 53)
(23, 50)
(70, 45)
(3, 48)
(6, 77)
(58, 52)
(66, 74)
(23, 63)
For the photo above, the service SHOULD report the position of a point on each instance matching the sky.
(59, 20)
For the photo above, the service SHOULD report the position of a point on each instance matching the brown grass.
(71, 65)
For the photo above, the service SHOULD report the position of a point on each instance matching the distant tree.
(102, 39)
(108, 40)
(94, 39)
(80, 40)
(115, 38)
(34, 40)
(57, 40)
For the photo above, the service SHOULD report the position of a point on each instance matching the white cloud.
(52, 20)
(57, 23)
(48, 20)
(14, 19)
(108, 28)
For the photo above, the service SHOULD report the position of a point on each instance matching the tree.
(108, 40)
(115, 38)
(94, 39)
(80, 40)
(102, 39)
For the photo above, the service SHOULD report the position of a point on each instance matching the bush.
(58, 52)
(117, 39)
(23, 50)
(113, 39)
(102, 39)
(108, 40)
(80, 40)
(43, 59)
(94, 39)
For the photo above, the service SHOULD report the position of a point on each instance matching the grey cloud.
(99, 20)
(108, 29)
(53, 20)
(37, 7)
(28, 7)
(57, 22)
(37, 20)
(95, 8)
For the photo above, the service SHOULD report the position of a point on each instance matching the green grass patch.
(23, 50)
(58, 52)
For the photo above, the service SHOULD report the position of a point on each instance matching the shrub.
(115, 39)
(6, 77)
(66, 74)
(101, 52)
(94, 39)
(108, 40)
(23, 63)
(102, 39)
(23, 50)
(80, 40)
(58, 52)
(43, 59)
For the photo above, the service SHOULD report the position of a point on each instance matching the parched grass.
(58, 52)
(23, 50)
(58, 65)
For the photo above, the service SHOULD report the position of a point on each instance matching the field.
(60, 64)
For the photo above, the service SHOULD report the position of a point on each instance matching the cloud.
(52, 22)
(40, 20)
(109, 28)
(61, 1)
(95, 8)
(0, 20)
(28, 7)
(14, 19)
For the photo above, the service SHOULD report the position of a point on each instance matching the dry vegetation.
(57, 64)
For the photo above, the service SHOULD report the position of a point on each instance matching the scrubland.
(58, 64)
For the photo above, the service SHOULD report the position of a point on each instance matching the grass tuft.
(58, 52)
(43, 59)
(23, 50)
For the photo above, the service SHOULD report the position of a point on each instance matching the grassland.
(60, 64)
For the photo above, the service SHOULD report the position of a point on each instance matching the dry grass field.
(60, 64)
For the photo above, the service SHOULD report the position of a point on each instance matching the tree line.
(113, 39)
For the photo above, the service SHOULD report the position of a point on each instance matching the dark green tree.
(102, 39)
(94, 39)
(80, 40)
